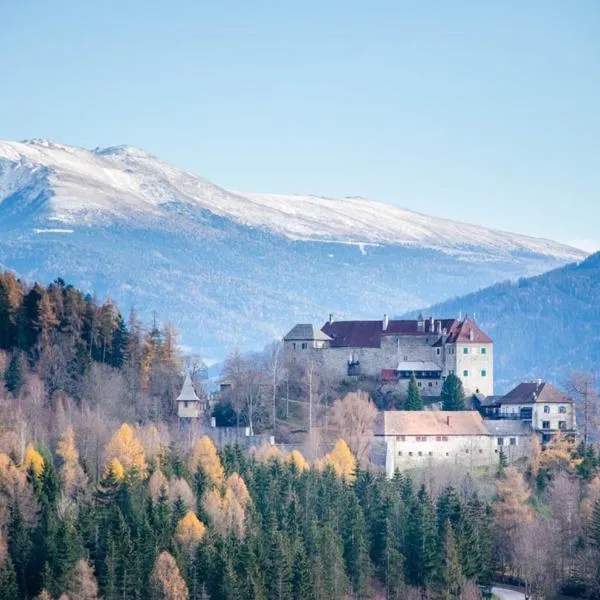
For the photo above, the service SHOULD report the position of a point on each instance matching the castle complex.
(392, 350)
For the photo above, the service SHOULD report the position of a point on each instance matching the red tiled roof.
(367, 334)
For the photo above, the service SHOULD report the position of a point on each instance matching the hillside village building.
(539, 404)
(418, 439)
(392, 350)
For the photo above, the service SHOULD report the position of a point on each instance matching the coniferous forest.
(102, 495)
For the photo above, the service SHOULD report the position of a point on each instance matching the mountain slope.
(545, 326)
(230, 268)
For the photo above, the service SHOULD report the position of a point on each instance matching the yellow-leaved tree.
(33, 461)
(204, 458)
(71, 474)
(115, 470)
(190, 530)
(342, 461)
(128, 450)
(559, 455)
(166, 580)
(266, 452)
(227, 511)
(295, 458)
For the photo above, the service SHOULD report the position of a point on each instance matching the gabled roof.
(429, 422)
(306, 332)
(535, 392)
(368, 334)
(188, 394)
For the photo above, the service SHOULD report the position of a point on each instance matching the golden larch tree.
(295, 458)
(128, 450)
(33, 461)
(342, 461)
(204, 457)
(166, 580)
(190, 530)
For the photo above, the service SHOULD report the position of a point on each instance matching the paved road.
(507, 593)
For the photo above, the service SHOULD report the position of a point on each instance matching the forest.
(102, 495)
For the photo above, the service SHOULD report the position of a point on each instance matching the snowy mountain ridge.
(127, 183)
(232, 269)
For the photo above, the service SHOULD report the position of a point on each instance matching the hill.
(233, 269)
(545, 326)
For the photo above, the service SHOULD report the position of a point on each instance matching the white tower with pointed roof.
(188, 403)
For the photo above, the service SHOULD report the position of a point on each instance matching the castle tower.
(188, 403)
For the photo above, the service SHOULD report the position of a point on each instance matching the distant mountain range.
(543, 327)
(233, 269)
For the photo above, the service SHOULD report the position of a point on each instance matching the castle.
(392, 350)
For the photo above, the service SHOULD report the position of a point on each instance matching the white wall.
(475, 363)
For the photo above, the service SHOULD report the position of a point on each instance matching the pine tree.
(421, 541)
(449, 577)
(453, 395)
(413, 400)
(14, 377)
(9, 590)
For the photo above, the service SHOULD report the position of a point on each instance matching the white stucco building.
(539, 404)
(421, 439)
(392, 350)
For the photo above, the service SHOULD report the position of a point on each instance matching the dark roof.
(507, 427)
(537, 391)
(368, 334)
(306, 332)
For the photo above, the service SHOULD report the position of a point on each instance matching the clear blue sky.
(487, 112)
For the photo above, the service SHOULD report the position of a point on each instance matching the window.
(444, 438)
(500, 441)
(304, 345)
(547, 409)
(562, 424)
(438, 351)
(450, 371)
(430, 384)
(400, 453)
(420, 453)
(483, 373)
(467, 451)
(483, 350)
(545, 424)
(430, 453)
(410, 453)
(419, 384)
(400, 438)
(465, 373)
(562, 410)
(294, 345)
(421, 438)
(513, 441)
(465, 350)
(480, 451)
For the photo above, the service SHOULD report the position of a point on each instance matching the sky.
(485, 112)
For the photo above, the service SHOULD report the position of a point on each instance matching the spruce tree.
(413, 400)
(453, 395)
(9, 590)
(449, 576)
(14, 377)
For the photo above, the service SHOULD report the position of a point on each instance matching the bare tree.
(274, 368)
(353, 417)
(582, 385)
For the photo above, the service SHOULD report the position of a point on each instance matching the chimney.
(432, 325)
(470, 335)
(386, 322)
(439, 328)
(448, 420)
(330, 318)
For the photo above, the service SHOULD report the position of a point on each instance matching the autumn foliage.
(127, 449)
(204, 458)
(166, 580)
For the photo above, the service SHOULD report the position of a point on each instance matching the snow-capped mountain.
(235, 268)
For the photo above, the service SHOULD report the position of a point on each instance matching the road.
(507, 593)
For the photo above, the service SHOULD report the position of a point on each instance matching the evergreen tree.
(453, 395)
(413, 400)
(9, 590)
(449, 577)
(421, 541)
(14, 377)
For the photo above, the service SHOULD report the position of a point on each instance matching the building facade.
(539, 404)
(424, 439)
(393, 350)
(189, 406)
